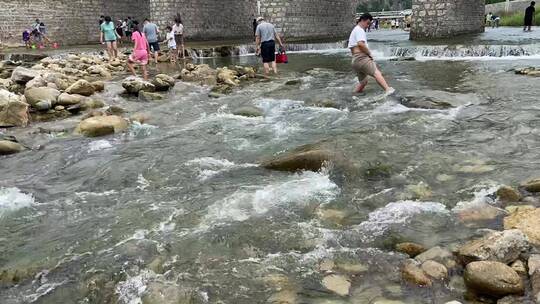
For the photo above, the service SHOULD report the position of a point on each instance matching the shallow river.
(179, 208)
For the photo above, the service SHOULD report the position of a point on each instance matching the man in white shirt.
(362, 63)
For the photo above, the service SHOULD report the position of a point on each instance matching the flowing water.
(178, 210)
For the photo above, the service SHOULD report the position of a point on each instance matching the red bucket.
(282, 58)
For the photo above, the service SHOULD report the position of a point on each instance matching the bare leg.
(115, 50)
(361, 86)
(381, 81)
(145, 72)
(266, 68)
(274, 67)
(109, 50)
(132, 69)
(156, 55)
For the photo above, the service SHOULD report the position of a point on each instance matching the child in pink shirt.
(140, 51)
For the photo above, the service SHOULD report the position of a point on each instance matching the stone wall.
(515, 7)
(68, 21)
(440, 19)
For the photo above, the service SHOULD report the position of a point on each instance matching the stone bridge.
(76, 21)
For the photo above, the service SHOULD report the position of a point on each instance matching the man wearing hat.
(363, 64)
(266, 46)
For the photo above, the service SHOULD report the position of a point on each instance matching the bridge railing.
(388, 14)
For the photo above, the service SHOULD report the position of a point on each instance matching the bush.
(517, 19)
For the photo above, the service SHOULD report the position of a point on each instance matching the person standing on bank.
(265, 36)
(529, 17)
(151, 31)
(362, 63)
(178, 31)
(109, 36)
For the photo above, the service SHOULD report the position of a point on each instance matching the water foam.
(12, 199)
(301, 189)
(210, 167)
(99, 145)
(132, 289)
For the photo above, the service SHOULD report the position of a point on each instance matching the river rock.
(425, 103)
(413, 273)
(90, 103)
(435, 270)
(168, 293)
(312, 160)
(115, 110)
(532, 185)
(81, 87)
(410, 249)
(139, 117)
(528, 221)
(334, 216)
(534, 273)
(35, 95)
(201, 73)
(149, 96)
(493, 279)
(99, 86)
(226, 76)
(101, 125)
(66, 99)
(503, 246)
(287, 296)
(10, 147)
(134, 85)
(337, 284)
(478, 213)
(43, 105)
(519, 267)
(23, 75)
(248, 111)
(37, 82)
(14, 114)
(7, 97)
(163, 82)
(508, 194)
(437, 254)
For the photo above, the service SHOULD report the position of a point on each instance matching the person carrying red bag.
(266, 46)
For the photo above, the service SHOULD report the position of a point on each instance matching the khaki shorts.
(363, 66)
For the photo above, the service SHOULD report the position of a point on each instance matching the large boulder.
(163, 82)
(36, 83)
(508, 194)
(526, 220)
(14, 114)
(134, 85)
(6, 97)
(492, 279)
(23, 75)
(66, 99)
(10, 147)
(504, 246)
(44, 94)
(201, 73)
(311, 160)
(81, 87)
(101, 125)
(226, 76)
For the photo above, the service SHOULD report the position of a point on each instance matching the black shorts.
(268, 51)
(528, 21)
(154, 46)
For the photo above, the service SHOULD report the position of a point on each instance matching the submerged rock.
(413, 273)
(435, 270)
(134, 85)
(411, 249)
(312, 160)
(10, 147)
(248, 111)
(505, 246)
(337, 284)
(532, 185)
(527, 221)
(492, 279)
(425, 103)
(101, 125)
(99, 86)
(508, 194)
(437, 254)
(81, 87)
(149, 96)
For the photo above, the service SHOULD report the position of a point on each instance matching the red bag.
(282, 57)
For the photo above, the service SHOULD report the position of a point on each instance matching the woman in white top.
(178, 30)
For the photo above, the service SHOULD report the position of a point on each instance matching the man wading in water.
(265, 36)
(362, 63)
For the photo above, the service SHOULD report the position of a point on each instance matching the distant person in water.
(362, 63)
(109, 36)
(178, 32)
(141, 51)
(529, 17)
(265, 36)
(152, 35)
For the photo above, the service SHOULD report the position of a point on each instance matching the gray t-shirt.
(266, 31)
(151, 32)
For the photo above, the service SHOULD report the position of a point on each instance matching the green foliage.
(517, 19)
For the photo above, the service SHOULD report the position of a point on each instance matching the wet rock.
(504, 246)
(337, 284)
(519, 267)
(222, 89)
(334, 216)
(98, 70)
(534, 273)
(10, 147)
(410, 249)
(420, 191)
(101, 125)
(435, 270)
(387, 301)
(81, 87)
(249, 111)
(226, 76)
(23, 75)
(99, 86)
(287, 296)
(66, 99)
(413, 273)
(425, 103)
(149, 96)
(115, 110)
(139, 117)
(169, 293)
(528, 222)
(14, 114)
(492, 279)
(312, 160)
(478, 213)
(325, 103)
(532, 185)
(351, 267)
(75, 109)
(35, 95)
(163, 82)
(437, 254)
(215, 95)
(508, 194)
(406, 58)
(293, 82)
(5, 83)
(134, 85)
(89, 103)
(512, 300)
(200, 73)
(43, 105)
(36, 83)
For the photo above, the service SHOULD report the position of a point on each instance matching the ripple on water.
(12, 199)
(209, 167)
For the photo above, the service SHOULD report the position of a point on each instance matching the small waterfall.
(465, 51)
